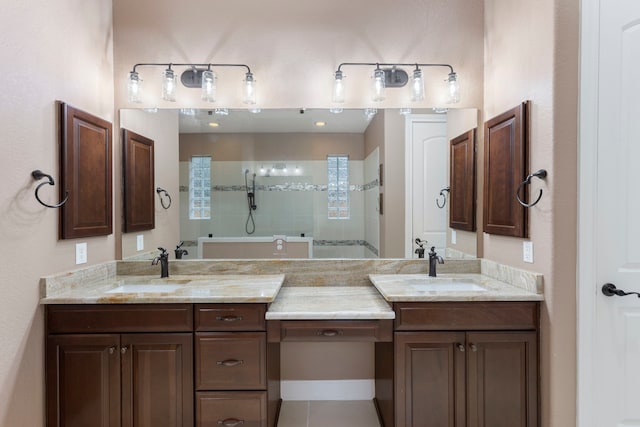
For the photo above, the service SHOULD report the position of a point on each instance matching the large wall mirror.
(297, 183)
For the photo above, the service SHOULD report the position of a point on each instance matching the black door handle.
(609, 289)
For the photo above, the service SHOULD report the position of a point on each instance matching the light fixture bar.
(388, 74)
(201, 77)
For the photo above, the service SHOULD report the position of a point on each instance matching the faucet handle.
(163, 251)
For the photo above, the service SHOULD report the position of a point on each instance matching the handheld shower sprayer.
(250, 226)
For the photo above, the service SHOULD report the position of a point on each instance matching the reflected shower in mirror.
(285, 183)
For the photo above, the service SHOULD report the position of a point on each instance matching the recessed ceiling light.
(214, 124)
(320, 124)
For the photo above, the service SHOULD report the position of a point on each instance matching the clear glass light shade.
(338, 88)
(209, 86)
(133, 87)
(417, 86)
(405, 111)
(169, 84)
(369, 113)
(249, 96)
(377, 85)
(454, 88)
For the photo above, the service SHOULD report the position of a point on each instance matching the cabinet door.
(502, 375)
(430, 379)
(157, 380)
(83, 380)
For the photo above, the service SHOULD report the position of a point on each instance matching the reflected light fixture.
(389, 75)
(196, 76)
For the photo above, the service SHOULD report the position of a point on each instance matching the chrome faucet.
(434, 259)
(179, 251)
(164, 262)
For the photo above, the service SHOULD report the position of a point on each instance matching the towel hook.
(444, 197)
(542, 174)
(38, 175)
(162, 190)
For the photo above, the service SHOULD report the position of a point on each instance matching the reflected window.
(338, 187)
(200, 187)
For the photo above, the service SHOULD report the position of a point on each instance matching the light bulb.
(169, 85)
(249, 89)
(208, 86)
(377, 85)
(338, 88)
(454, 88)
(133, 87)
(417, 86)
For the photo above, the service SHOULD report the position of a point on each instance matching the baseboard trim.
(328, 390)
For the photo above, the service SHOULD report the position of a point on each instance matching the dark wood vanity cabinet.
(451, 368)
(133, 379)
(237, 374)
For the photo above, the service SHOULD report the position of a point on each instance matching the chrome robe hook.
(38, 175)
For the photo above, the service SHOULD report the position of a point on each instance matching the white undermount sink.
(448, 287)
(424, 283)
(140, 288)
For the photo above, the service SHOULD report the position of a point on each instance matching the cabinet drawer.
(87, 318)
(466, 316)
(331, 330)
(230, 361)
(231, 409)
(230, 317)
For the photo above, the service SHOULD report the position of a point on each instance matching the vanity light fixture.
(404, 111)
(196, 76)
(370, 113)
(388, 75)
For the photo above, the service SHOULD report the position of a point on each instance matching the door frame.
(409, 120)
(587, 289)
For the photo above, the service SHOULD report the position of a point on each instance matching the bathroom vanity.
(207, 353)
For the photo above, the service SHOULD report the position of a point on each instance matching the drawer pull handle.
(231, 422)
(460, 347)
(229, 318)
(329, 332)
(230, 363)
(473, 347)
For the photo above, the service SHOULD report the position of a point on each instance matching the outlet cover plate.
(527, 251)
(140, 242)
(81, 253)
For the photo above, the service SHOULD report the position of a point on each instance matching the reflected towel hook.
(444, 197)
(162, 190)
(38, 175)
(542, 174)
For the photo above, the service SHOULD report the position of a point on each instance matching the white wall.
(51, 51)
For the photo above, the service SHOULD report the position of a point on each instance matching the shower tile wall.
(291, 205)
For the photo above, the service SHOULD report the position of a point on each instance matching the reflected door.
(427, 176)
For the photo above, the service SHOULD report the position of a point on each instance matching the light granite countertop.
(329, 302)
(448, 287)
(176, 289)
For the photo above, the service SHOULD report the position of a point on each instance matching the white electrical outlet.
(527, 251)
(140, 242)
(81, 253)
(454, 237)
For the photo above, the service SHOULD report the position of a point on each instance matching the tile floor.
(323, 413)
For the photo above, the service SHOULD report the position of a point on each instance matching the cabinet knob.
(124, 349)
(229, 318)
(230, 422)
(112, 349)
(230, 362)
(473, 347)
(460, 347)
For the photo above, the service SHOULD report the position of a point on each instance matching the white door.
(609, 327)
(427, 174)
